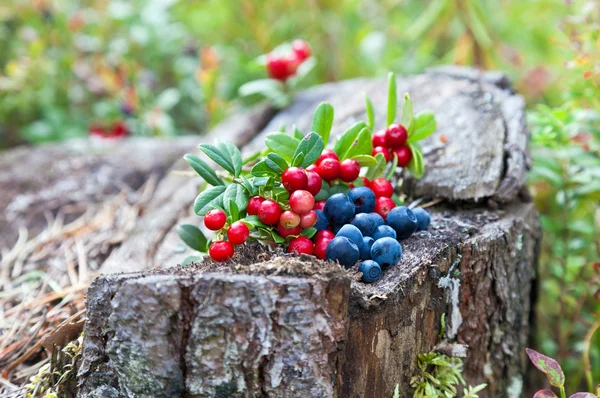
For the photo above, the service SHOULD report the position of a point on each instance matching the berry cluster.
(283, 66)
(115, 131)
(392, 142)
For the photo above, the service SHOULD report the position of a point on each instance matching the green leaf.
(309, 232)
(193, 237)
(347, 139)
(392, 169)
(282, 144)
(549, 366)
(407, 113)
(323, 120)
(311, 146)
(298, 159)
(361, 146)
(219, 156)
(416, 165)
(234, 211)
(235, 156)
(377, 170)
(478, 26)
(340, 188)
(189, 260)
(370, 113)
(424, 124)
(269, 88)
(203, 169)
(392, 99)
(365, 160)
(252, 157)
(280, 195)
(262, 181)
(212, 196)
(252, 190)
(427, 18)
(237, 194)
(323, 193)
(297, 133)
(264, 169)
(253, 222)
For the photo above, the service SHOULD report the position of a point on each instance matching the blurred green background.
(168, 67)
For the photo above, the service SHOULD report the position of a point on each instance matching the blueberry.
(365, 223)
(403, 220)
(371, 271)
(365, 250)
(342, 250)
(339, 209)
(322, 222)
(336, 228)
(384, 231)
(377, 219)
(386, 252)
(352, 233)
(363, 198)
(423, 218)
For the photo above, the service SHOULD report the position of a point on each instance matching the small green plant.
(556, 377)
(439, 376)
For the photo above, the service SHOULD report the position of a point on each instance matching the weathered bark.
(238, 334)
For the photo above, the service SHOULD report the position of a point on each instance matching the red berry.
(215, 219)
(288, 232)
(366, 182)
(383, 205)
(327, 154)
(379, 138)
(329, 169)
(238, 233)
(254, 205)
(314, 183)
(294, 178)
(302, 202)
(277, 67)
(349, 170)
(320, 205)
(312, 167)
(301, 245)
(269, 212)
(220, 251)
(321, 248)
(324, 234)
(293, 62)
(301, 49)
(289, 219)
(404, 156)
(382, 187)
(384, 151)
(308, 220)
(395, 136)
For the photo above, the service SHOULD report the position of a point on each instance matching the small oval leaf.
(192, 236)
(550, 367)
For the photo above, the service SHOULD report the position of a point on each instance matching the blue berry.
(423, 218)
(352, 233)
(377, 219)
(365, 250)
(336, 228)
(386, 252)
(384, 231)
(365, 223)
(322, 222)
(339, 209)
(342, 250)
(363, 198)
(371, 271)
(403, 220)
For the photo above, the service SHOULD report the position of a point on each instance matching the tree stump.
(282, 326)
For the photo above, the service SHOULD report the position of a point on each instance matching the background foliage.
(169, 67)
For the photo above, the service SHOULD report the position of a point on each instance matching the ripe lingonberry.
(301, 49)
(294, 178)
(215, 219)
(302, 202)
(314, 182)
(404, 155)
(269, 212)
(327, 154)
(366, 182)
(289, 219)
(383, 206)
(312, 167)
(379, 138)
(349, 170)
(220, 251)
(395, 136)
(329, 169)
(321, 248)
(238, 233)
(288, 232)
(254, 205)
(277, 67)
(320, 205)
(308, 220)
(301, 245)
(384, 151)
(382, 187)
(324, 234)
